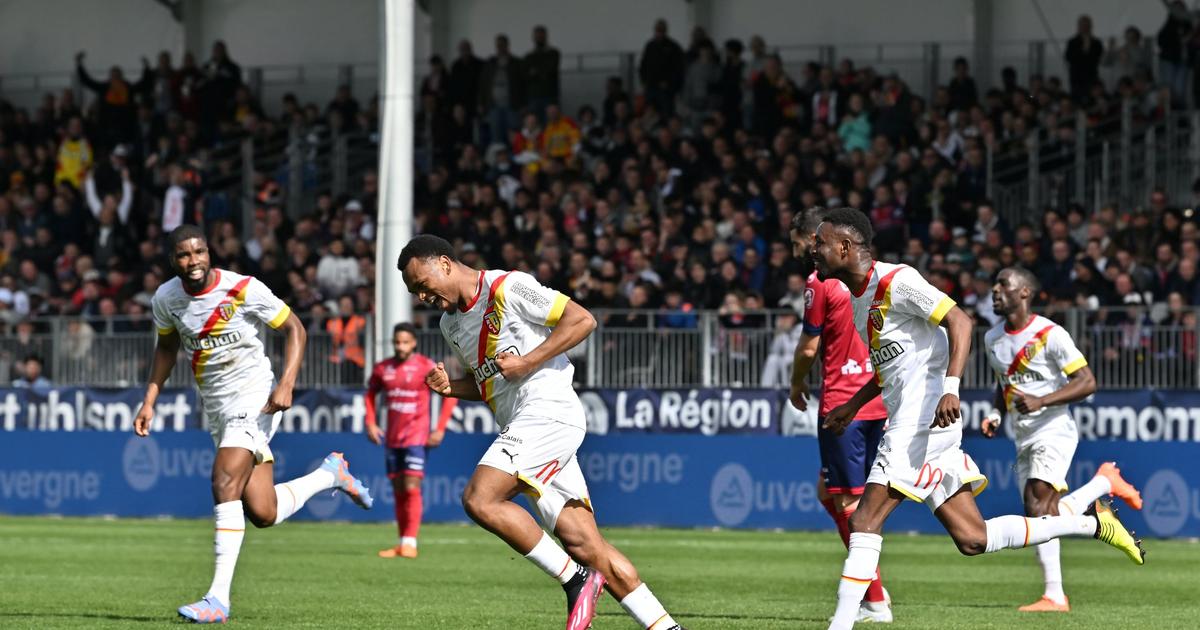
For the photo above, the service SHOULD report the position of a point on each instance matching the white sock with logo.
(290, 496)
(643, 606)
(549, 557)
(231, 529)
(1077, 502)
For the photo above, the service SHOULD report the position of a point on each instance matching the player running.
(512, 334)
(402, 381)
(904, 321)
(845, 459)
(1040, 371)
(212, 314)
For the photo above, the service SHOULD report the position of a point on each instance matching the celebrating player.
(402, 380)
(904, 321)
(212, 314)
(845, 459)
(513, 333)
(1040, 371)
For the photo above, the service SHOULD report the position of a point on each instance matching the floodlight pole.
(396, 102)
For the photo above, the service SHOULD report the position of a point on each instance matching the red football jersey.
(407, 399)
(827, 312)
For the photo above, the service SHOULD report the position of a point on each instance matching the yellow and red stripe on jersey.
(1021, 362)
(216, 323)
(880, 305)
(489, 335)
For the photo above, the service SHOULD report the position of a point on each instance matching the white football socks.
(1077, 502)
(292, 495)
(231, 529)
(549, 557)
(1047, 554)
(645, 608)
(857, 574)
(1014, 532)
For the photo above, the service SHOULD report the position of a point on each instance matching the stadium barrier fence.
(1125, 347)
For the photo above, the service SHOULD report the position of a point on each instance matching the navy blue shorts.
(408, 461)
(846, 459)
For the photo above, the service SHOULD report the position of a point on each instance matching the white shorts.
(1045, 447)
(925, 465)
(541, 453)
(1047, 460)
(240, 423)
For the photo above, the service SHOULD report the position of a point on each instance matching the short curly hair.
(424, 247)
(855, 220)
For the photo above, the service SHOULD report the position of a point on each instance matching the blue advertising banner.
(669, 480)
(1132, 416)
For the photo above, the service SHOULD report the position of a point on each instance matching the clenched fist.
(438, 380)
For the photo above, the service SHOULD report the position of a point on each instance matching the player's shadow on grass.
(86, 615)
(688, 615)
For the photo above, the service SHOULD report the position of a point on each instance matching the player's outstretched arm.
(573, 327)
(959, 326)
(293, 352)
(806, 354)
(165, 353)
(1080, 384)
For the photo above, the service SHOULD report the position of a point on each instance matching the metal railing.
(629, 349)
(1118, 161)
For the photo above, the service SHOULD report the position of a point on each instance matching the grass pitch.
(93, 573)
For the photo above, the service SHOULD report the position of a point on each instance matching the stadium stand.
(673, 194)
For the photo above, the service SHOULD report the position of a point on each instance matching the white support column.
(392, 301)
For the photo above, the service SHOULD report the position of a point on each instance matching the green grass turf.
(94, 573)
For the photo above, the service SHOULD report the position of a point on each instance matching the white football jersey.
(898, 313)
(217, 330)
(1034, 360)
(512, 312)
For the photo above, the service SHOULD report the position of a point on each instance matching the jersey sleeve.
(1062, 350)
(989, 344)
(525, 298)
(912, 294)
(814, 308)
(264, 305)
(162, 317)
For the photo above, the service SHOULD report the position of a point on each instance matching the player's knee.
(1038, 508)
(862, 522)
(225, 486)
(260, 520)
(971, 545)
(475, 504)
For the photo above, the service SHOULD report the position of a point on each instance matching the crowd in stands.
(674, 194)
(89, 189)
